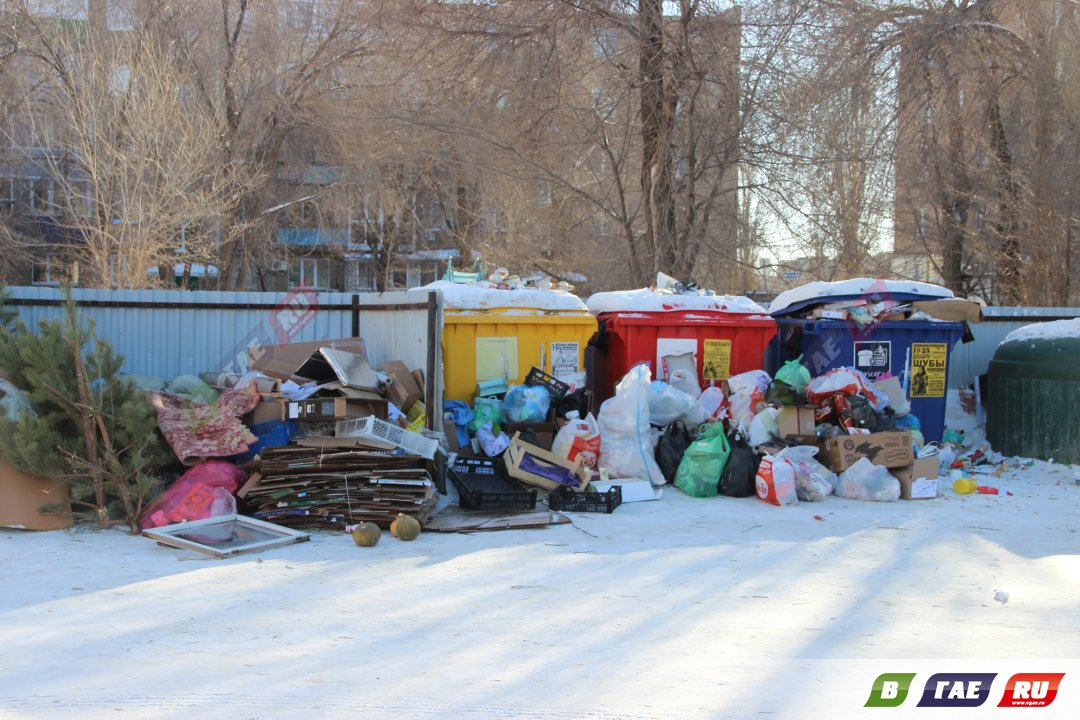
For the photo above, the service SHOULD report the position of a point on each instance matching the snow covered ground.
(680, 608)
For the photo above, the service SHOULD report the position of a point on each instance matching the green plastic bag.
(703, 463)
(795, 374)
(486, 410)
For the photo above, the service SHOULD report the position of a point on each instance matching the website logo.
(1031, 690)
(890, 690)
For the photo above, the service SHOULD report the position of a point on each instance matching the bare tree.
(133, 162)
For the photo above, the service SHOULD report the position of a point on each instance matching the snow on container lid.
(467, 297)
(813, 293)
(648, 300)
(1053, 330)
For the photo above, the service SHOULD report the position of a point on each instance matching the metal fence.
(969, 360)
(166, 333)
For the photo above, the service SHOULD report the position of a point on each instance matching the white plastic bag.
(775, 481)
(667, 404)
(813, 481)
(627, 444)
(685, 380)
(490, 443)
(711, 401)
(741, 409)
(763, 427)
(746, 382)
(866, 481)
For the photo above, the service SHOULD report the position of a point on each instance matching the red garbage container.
(726, 335)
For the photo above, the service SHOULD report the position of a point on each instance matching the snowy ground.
(680, 608)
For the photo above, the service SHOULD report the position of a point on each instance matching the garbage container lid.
(792, 301)
(649, 300)
(465, 297)
(1041, 351)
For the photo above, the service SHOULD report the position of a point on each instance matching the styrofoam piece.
(372, 428)
(633, 489)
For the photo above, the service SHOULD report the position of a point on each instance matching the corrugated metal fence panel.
(969, 360)
(201, 331)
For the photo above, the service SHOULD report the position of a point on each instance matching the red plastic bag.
(191, 497)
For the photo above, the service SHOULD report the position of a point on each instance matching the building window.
(366, 276)
(54, 269)
(399, 280)
(7, 195)
(605, 43)
(920, 223)
(309, 272)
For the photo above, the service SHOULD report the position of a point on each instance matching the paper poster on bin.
(496, 358)
(929, 370)
(873, 357)
(717, 360)
(564, 358)
(672, 346)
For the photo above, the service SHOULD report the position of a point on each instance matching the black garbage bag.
(781, 394)
(671, 448)
(576, 400)
(862, 412)
(737, 480)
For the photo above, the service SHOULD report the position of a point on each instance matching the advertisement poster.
(564, 358)
(928, 370)
(717, 362)
(496, 358)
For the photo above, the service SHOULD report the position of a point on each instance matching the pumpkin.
(405, 527)
(366, 534)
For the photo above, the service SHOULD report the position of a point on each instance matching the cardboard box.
(544, 431)
(824, 314)
(22, 496)
(890, 449)
(918, 481)
(520, 455)
(283, 361)
(319, 409)
(955, 309)
(797, 421)
(403, 389)
(268, 410)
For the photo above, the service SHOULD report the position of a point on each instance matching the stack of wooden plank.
(331, 488)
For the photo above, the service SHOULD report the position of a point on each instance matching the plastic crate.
(482, 487)
(557, 388)
(566, 499)
(380, 431)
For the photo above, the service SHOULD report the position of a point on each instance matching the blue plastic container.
(916, 351)
(271, 434)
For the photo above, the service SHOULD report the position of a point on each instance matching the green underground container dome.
(1034, 385)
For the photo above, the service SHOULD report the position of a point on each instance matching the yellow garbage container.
(491, 334)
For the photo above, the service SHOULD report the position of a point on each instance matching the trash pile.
(311, 437)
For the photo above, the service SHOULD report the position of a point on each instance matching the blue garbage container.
(916, 351)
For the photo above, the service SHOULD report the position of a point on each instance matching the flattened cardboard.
(889, 449)
(283, 361)
(918, 481)
(955, 309)
(330, 364)
(22, 496)
(403, 389)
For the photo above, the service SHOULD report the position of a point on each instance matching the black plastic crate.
(556, 388)
(481, 486)
(567, 499)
